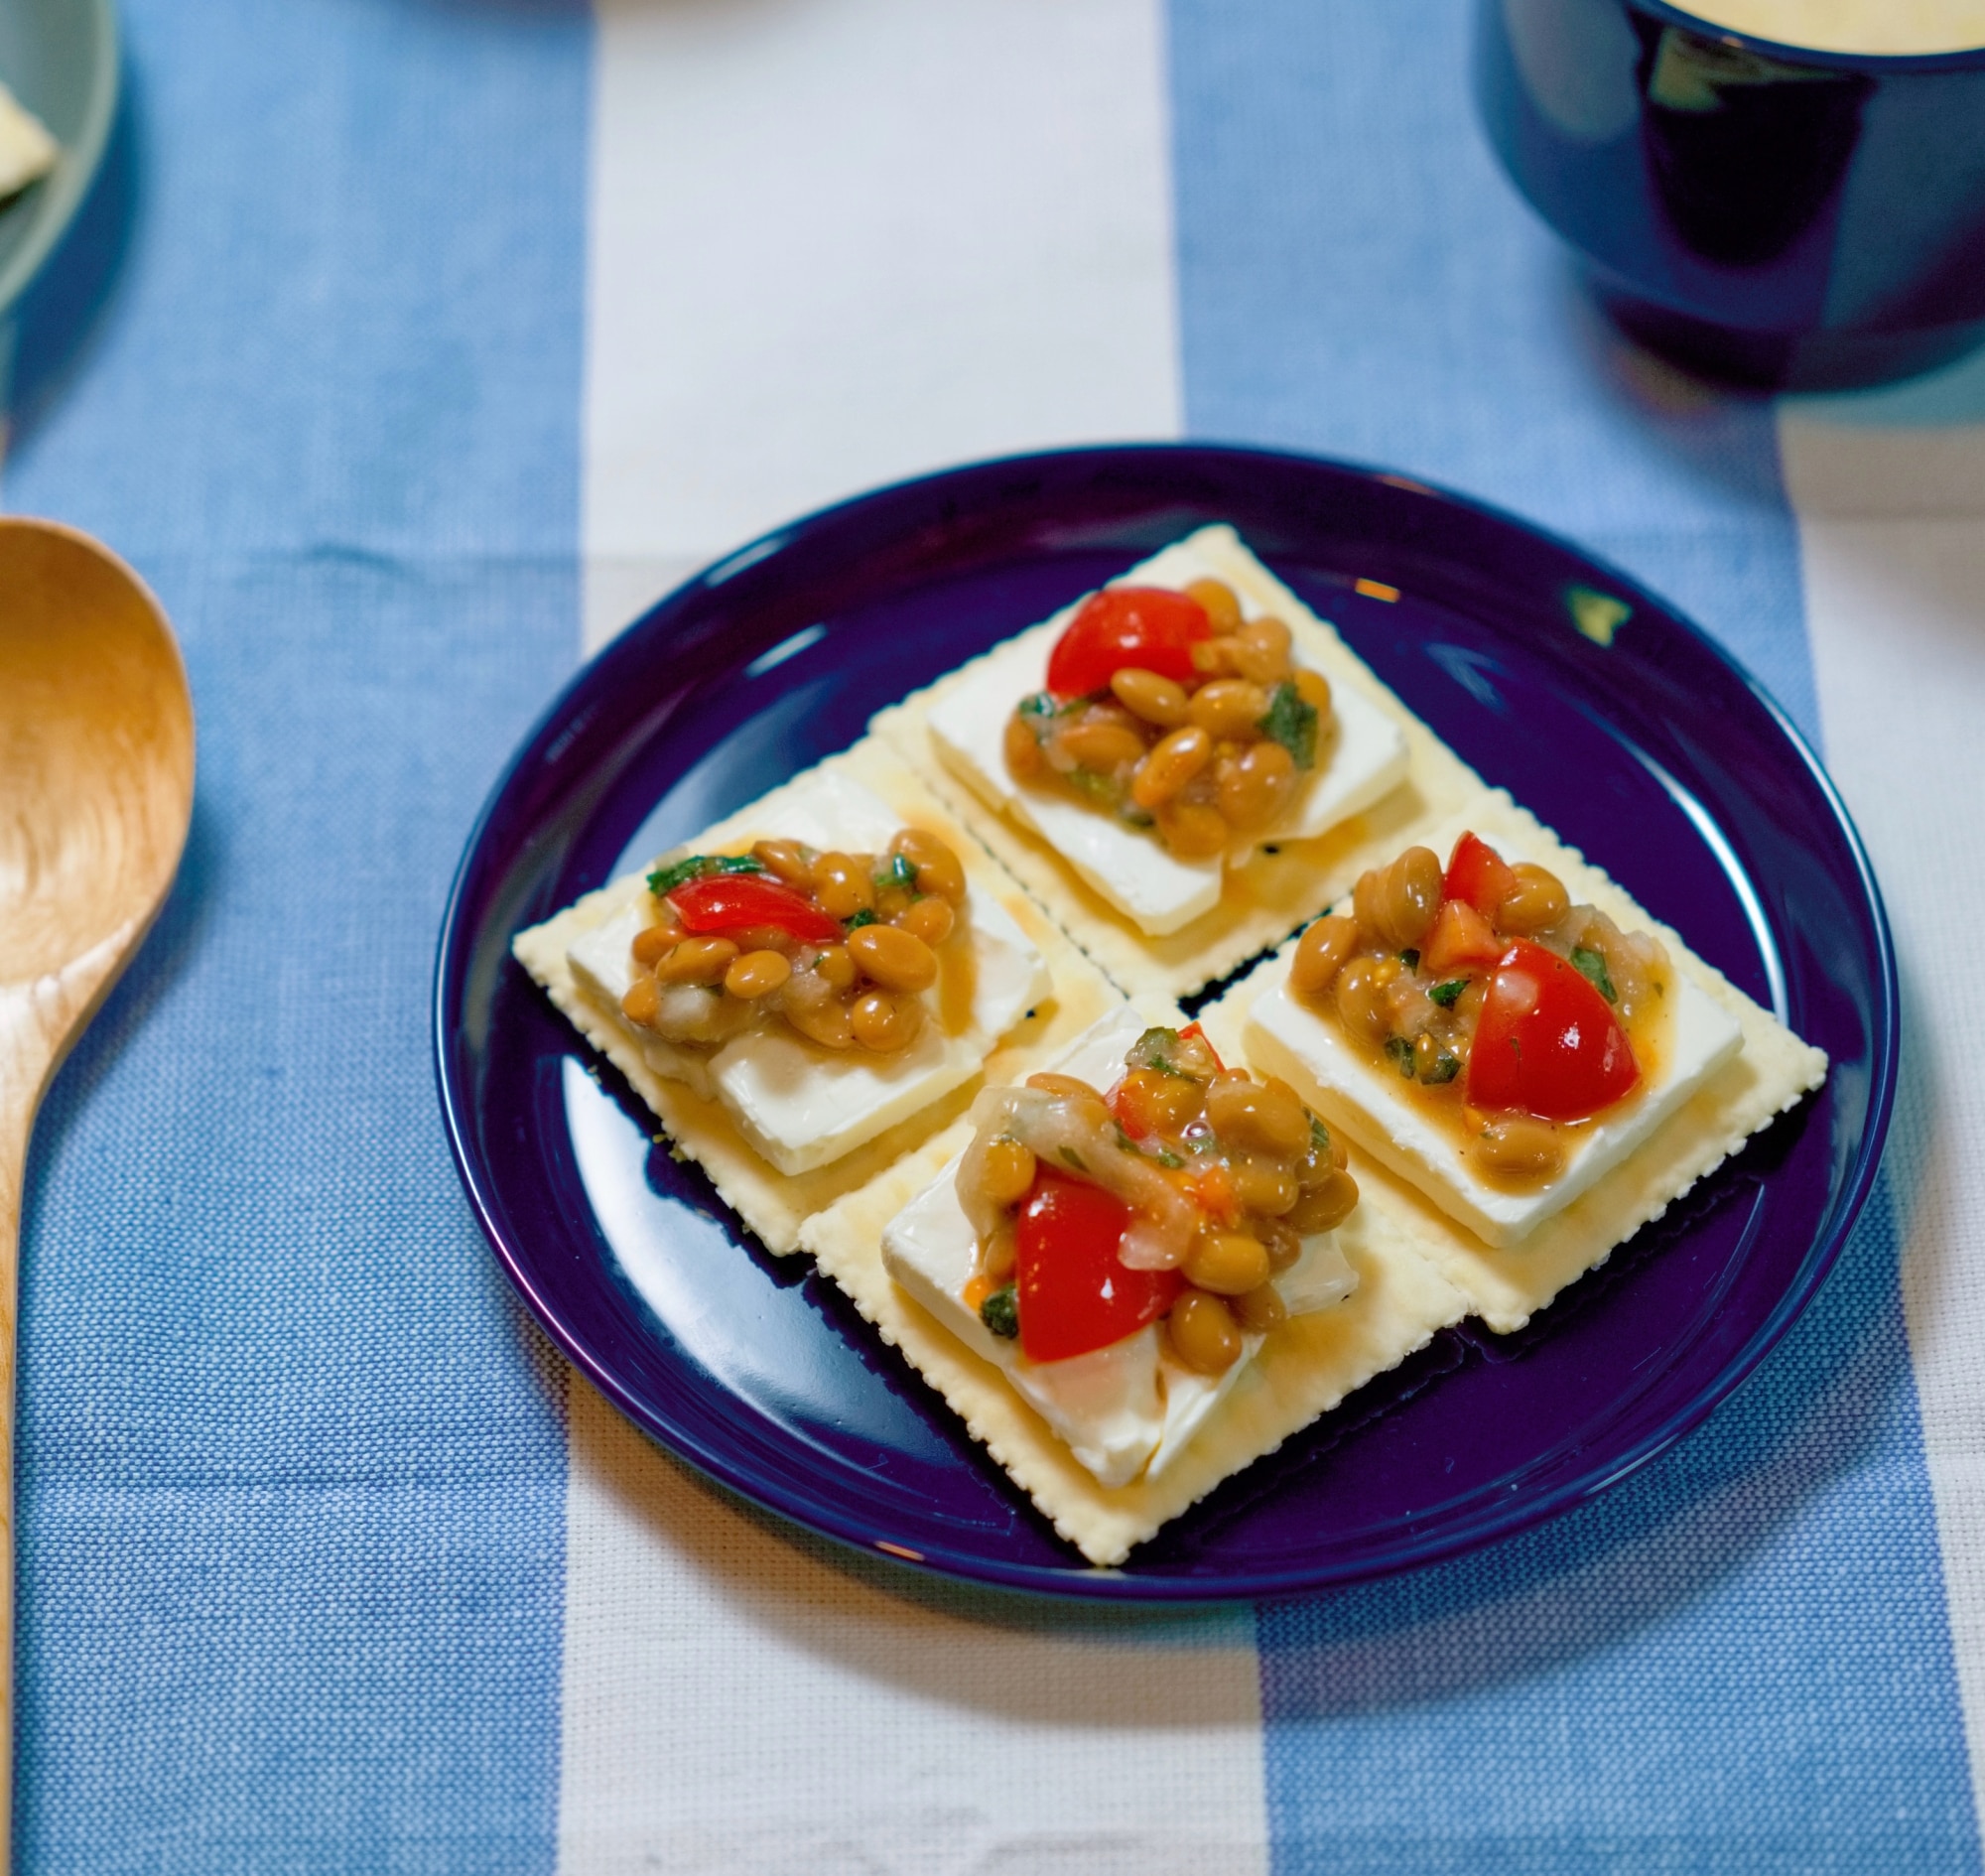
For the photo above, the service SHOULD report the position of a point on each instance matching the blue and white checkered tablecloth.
(408, 348)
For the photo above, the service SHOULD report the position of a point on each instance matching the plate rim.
(1075, 1580)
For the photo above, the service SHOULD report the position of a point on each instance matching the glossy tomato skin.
(1074, 1293)
(1147, 628)
(1477, 876)
(731, 901)
(1547, 1043)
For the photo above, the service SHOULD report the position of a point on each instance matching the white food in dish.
(801, 1106)
(27, 151)
(1126, 1411)
(1364, 759)
(1878, 27)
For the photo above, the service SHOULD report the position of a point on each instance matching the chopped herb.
(1098, 788)
(1410, 958)
(860, 918)
(1124, 1144)
(699, 866)
(1041, 704)
(1073, 1158)
(1592, 966)
(1291, 723)
(1444, 1069)
(898, 872)
(1153, 1050)
(1449, 994)
(1132, 815)
(1400, 1049)
(1000, 1312)
(1319, 1135)
(1166, 1157)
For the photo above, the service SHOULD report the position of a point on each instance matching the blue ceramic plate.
(1655, 755)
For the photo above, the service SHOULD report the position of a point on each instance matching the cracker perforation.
(1772, 1074)
(1303, 1370)
(772, 1204)
(1285, 884)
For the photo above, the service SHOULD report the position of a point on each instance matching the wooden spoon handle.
(38, 1021)
(96, 770)
(13, 1168)
(24, 1069)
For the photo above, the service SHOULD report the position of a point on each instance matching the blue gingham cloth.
(324, 1563)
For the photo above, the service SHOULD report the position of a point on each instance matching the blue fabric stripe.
(292, 1465)
(1741, 1660)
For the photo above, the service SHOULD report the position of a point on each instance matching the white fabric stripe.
(735, 1699)
(736, 1702)
(836, 242)
(1890, 492)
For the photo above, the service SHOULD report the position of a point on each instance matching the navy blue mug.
(1758, 212)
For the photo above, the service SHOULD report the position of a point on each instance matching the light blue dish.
(60, 58)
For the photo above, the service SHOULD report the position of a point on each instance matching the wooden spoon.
(96, 794)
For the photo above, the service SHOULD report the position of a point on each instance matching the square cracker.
(1286, 883)
(1303, 1370)
(1771, 1073)
(772, 1203)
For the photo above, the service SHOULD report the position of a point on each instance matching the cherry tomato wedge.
(1476, 876)
(728, 901)
(1547, 1043)
(1461, 939)
(1147, 628)
(1073, 1292)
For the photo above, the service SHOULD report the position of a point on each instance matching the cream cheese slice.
(1129, 866)
(800, 1105)
(1125, 1410)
